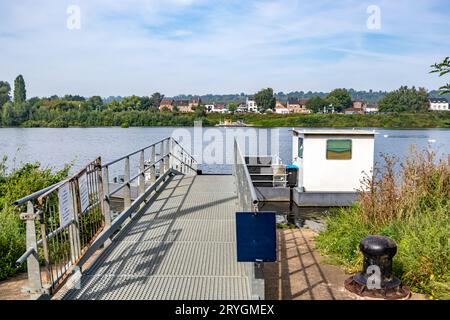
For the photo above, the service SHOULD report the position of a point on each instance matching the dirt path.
(299, 273)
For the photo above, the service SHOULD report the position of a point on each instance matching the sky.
(176, 47)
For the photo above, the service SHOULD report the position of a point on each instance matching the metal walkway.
(182, 246)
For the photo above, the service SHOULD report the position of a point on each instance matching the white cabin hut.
(331, 165)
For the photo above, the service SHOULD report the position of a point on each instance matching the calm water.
(56, 147)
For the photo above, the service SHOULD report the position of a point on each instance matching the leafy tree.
(76, 97)
(131, 103)
(20, 93)
(146, 103)
(5, 90)
(405, 100)
(8, 114)
(200, 111)
(316, 104)
(265, 99)
(156, 99)
(232, 107)
(340, 99)
(443, 68)
(95, 103)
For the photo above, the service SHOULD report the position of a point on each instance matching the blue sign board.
(256, 236)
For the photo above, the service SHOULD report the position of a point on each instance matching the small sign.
(84, 192)
(66, 211)
(256, 236)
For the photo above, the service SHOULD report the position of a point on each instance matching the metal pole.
(162, 165)
(127, 189)
(34, 272)
(106, 204)
(75, 227)
(142, 176)
(153, 168)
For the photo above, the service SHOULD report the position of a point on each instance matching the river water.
(56, 147)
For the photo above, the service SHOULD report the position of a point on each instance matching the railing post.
(33, 269)
(127, 188)
(162, 165)
(106, 205)
(153, 168)
(171, 152)
(142, 176)
(74, 232)
(167, 159)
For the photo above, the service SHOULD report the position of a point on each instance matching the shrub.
(413, 208)
(15, 185)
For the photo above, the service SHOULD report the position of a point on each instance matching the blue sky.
(222, 46)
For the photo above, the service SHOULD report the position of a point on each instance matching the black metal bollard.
(377, 279)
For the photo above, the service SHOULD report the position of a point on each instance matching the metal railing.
(248, 200)
(68, 222)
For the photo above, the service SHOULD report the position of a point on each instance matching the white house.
(438, 104)
(332, 162)
(371, 108)
(251, 105)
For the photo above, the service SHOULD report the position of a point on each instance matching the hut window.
(339, 149)
(300, 148)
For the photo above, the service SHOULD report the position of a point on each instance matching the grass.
(413, 208)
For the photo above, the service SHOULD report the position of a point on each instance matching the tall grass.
(410, 205)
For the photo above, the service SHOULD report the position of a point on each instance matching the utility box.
(292, 173)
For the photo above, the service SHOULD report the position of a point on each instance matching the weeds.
(411, 206)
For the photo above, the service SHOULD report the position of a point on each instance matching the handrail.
(167, 154)
(134, 153)
(35, 195)
(244, 181)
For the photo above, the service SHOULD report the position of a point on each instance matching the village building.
(251, 105)
(280, 108)
(166, 104)
(297, 105)
(438, 104)
(371, 108)
(358, 104)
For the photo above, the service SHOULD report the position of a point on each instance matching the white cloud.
(199, 46)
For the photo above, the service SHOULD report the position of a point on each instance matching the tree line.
(76, 110)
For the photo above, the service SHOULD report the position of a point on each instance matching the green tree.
(95, 103)
(146, 103)
(405, 100)
(442, 68)
(5, 90)
(156, 99)
(232, 107)
(20, 92)
(8, 114)
(316, 104)
(340, 99)
(265, 99)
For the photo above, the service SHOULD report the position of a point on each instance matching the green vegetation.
(412, 208)
(405, 100)
(389, 120)
(15, 185)
(403, 108)
(265, 100)
(340, 99)
(442, 68)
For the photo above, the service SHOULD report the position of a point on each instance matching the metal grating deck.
(182, 247)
